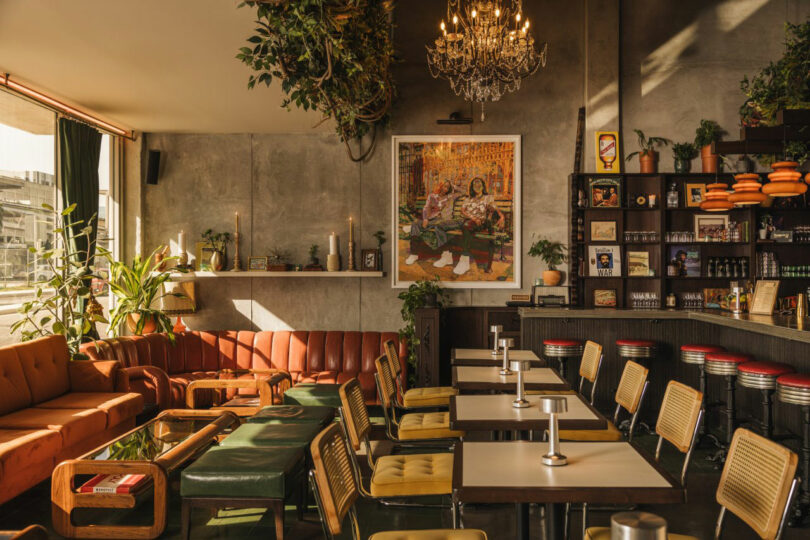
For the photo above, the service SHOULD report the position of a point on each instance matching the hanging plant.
(333, 56)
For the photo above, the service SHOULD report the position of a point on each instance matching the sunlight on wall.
(260, 315)
(733, 13)
(659, 65)
(603, 107)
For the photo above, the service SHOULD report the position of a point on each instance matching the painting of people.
(457, 210)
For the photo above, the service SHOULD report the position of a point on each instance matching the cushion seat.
(412, 474)
(293, 414)
(773, 369)
(563, 342)
(312, 394)
(698, 348)
(260, 435)
(799, 380)
(75, 425)
(433, 534)
(19, 448)
(433, 425)
(234, 472)
(635, 343)
(428, 397)
(603, 533)
(612, 433)
(117, 406)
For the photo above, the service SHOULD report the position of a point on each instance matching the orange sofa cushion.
(45, 364)
(14, 392)
(73, 424)
(20, 448)
(98, 376)
(118, 407)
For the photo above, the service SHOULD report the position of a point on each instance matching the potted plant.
(418, 295)
(380, 237)
(278, 260)
(647, 156)
(138, 289)
(552, 253)
(683, 153)
(314, 263)
(706, 133)
(218, 242)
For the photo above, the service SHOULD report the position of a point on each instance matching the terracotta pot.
(708, 160)
(551, 278)
(648, 162)
(149, 326)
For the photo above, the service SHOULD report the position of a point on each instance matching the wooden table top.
(495, 413)
(597, 472)
(467, 378)
(484, 357)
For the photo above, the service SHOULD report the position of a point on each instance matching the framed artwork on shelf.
(605, 192)
(605, 261)
(638, 263)
(693, 194)
(604, 298)
(709, 227)
(256, 264)
(203, 252)
(607, 155)
(715, 298)
(603, 231)
(456, 210)
(764, 297)
(685, 260)
(370, 260)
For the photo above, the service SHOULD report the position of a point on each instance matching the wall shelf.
(266, 274)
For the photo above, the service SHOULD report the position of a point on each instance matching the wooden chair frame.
(267, 389)
(582, 376)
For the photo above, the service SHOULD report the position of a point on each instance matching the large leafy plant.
(333, 56)
(707, 132)
(57, 306)
(550, 252)
(415, 297)
(646, 144)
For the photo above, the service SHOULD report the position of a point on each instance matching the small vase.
(648, 162)
(216, 261)
(682, 165)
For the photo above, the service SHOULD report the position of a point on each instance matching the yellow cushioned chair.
(431, 396)
(335, 487)
(412, 426)
(589, 368)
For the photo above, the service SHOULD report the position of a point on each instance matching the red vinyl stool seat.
(635, 348)
(794, 389)
(562, 350)
(563, 342)
(696, 354)
(725, 363)
(761, 375)
(635, 343)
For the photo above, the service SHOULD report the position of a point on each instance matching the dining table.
(480, 378)
(596, 473)
(484, 357)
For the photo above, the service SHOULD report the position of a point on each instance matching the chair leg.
(185, 520)
(278, 510)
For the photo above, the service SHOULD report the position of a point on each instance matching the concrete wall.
(679, 65)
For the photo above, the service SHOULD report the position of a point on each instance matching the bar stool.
(795, 390)
(724, 364)
(762, 376)
(562, 350)
(636, 349)
(695, 354)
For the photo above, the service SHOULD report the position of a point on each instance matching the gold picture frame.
(764, 297)
(694, 193)
(603, 231)
(257, 264)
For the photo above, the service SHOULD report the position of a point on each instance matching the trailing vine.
(333, 56)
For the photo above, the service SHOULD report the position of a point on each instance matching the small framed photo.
(605, 192)
(709, 227)
(603, 231)
(694, 194)
(604, 298)
(257, 264)
(370, 260)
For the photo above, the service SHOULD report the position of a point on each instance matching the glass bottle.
(672, 196)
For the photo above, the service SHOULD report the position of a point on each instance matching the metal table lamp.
(552, 406)
(521, 366)
(505, 343)
(496, 329)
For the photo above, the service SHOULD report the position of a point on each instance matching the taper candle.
(351, 230)
(237, 222)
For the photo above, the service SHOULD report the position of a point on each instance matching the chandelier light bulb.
(517, 17)
(455, 19)
(442, 26)
(474, 13)
(497, 12)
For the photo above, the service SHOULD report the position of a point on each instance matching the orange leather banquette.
(52, 409)
(309, 357)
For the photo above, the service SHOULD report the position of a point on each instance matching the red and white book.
(112, 483)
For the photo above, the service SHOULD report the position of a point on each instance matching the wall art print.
(456, 210)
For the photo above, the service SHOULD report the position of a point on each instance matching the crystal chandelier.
(485, 49)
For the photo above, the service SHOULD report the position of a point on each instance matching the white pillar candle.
(333, 244)
(181, 243)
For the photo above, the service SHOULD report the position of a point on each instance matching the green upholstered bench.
(313, 394)
(259, 435)
(243, 477)
(293, 414)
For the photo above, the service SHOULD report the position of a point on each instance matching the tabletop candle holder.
(552, 406)
(496, 329)
(521, 366)
(505, 343)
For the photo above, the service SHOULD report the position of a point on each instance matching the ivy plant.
(413, 298)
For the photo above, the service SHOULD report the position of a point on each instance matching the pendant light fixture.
(747, 190)
(716, 199)
(784, 180)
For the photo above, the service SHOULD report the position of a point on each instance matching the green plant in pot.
(418, 295)
(683, 153)
(707, 132)
(553, 254)
(647, 155)
(380, 237)
(138, 289)
(218, 242)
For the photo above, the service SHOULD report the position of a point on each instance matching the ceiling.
(147, 65)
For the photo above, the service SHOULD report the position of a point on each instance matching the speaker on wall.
(153, 167)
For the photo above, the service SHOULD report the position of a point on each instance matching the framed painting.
(603, 231)
(694, 194)
(605, 192)
(456, 210)
(710, 227)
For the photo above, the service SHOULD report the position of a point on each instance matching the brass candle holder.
(237, 267)
(350, 263)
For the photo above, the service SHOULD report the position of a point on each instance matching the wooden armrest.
(262, 386)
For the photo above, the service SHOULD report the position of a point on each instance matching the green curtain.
(79, 151)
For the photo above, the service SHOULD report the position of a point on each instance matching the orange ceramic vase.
(648, 162)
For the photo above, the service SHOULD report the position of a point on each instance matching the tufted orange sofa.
(52, 409)
(309, 357)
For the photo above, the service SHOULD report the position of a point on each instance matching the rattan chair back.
(355, 412)
(385, 381)
(631, 386)
(393, 357)
(334, 476)
(757, 482)
(589, 366)
(679, 415)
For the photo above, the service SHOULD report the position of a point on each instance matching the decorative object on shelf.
(485, 49)
(605, 192)
(782, 237)
(160, 264)
(672, 301)
(716, 199)
(605, 261)
(552, 406)
(315, 50)
(379, 236)
(520, 367)
(456, 210)
(420, 294)
(257, 264)
(314, 265)
(582, 202)
(333, 258)
(683, 153)
(350, 265)
(370, 259)
(552, 253)
(709, 228)
(784, 180)
(685, 260)
(607, 156)
(179, 298)
(638, 201)
(747, 190)
(764, 297)
(237, 265)
(694, 194)
(506, 344)
(604, 298)
(647, 156)
(707, 132)
(182, 256)
(278, 260)
(644, 300)
(496, 330)
(673, 200)
(214, 247)
(603, 231)
(715, 298)
(638, 263)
